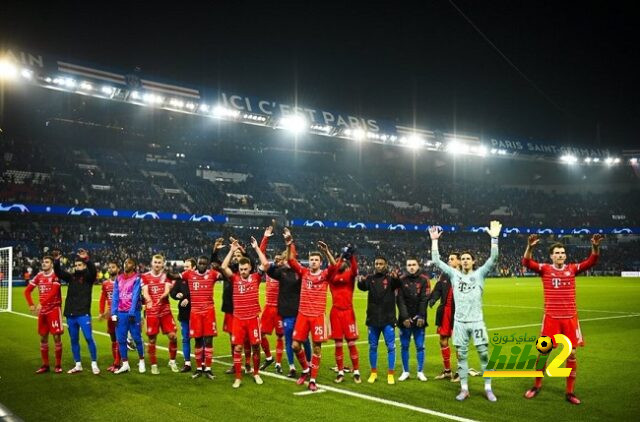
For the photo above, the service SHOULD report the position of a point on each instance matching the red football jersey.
(201, 288)
(313, 291)
(273, 288)
(106, 296)
(156, 285)
(560, 285)
(246, 296)
(49, 293)
(342, 285)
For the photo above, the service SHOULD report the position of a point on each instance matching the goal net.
(6, 275)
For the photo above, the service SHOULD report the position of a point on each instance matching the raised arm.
(494, 231)
(91, 266)
(292, 253)
(227, 260)
(57, 268)
(593, 258)
(264, 262)
(327, 252)
(364, 282)
(268, 232)
(435, 232)
(527, 259)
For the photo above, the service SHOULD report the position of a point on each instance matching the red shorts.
(271, 319)
(343, 324)
(246, 329)
(50, 322)
(111, 326)
(446, 325)
(570, 327)
(227, 325)
(203, 324)
(166, 321)
(316, 325)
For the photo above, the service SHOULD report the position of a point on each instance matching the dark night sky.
(389, 61)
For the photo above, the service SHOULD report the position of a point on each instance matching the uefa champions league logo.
(145, 216)
(83, 211)
(14, 207)
(356, 226)
(314, 223)
(199, 218)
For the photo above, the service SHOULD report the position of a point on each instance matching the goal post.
(6, 278)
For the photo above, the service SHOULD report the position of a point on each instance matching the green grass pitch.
(608, 370)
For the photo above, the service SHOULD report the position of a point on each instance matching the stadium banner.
(545, 148)
(108, 212)
(298, 222)
(559, 230)
(315, 116)
(630, 274)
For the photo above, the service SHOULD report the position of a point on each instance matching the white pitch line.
(373, 398)
(308, 392)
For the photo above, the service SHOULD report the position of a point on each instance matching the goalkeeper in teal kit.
(468, 286)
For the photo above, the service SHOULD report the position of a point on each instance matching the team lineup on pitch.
(298, 292)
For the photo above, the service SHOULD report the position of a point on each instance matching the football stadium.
(174, 248)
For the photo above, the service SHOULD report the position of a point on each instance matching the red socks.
(237, 364)
(256, 359)
(339, 356)
(353, 352)
(173, 349)
(302, 358)
(208, 356)
(279, 349)
(265, 347)
(446, 357)
(571, 380)
(44, 353)
(115, 351)
(58, 349)
(152, 353)
(315, 365)
(198, 357)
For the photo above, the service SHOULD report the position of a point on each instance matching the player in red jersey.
(246, 309)
(105, 312)
(155, 290)
(202, 324)
(49, 311)
(560, 313)
(342, 316)
(271, 319)
(311, 314)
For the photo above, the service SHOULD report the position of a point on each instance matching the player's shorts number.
(55, 324)
(255, 334)
(318, 330)
(352, 328)
(479, 334)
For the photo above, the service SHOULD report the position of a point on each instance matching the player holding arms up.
(311, 315)
(246, 309)
(49, 311)
(560, 313)
(468, 287)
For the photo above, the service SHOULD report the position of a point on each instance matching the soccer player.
(77, 305)
(270, 319)
(180, 292)
(227, 299)
(288, 304)
(412, 306)
(444, 318)
(311, 315)
(246, 309)
(126, 305)
(468, 287)
(560, 312)
(381, 315)
(106, 297)
(202, 323)
(49, 311)
(342, 316)
(155, 290)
